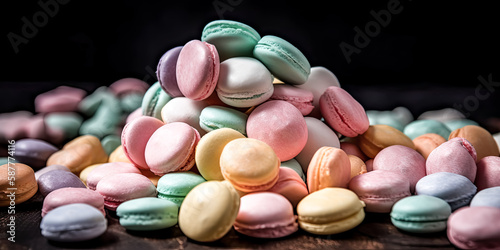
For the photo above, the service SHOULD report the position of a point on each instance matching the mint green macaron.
(419, 127)
(231, 38)
(148, 213)
(153, 101)
(68, 122)
(420, 214)
(215, 117)
(110, 143)
(175, 186)
(460, 123)
(285, 61)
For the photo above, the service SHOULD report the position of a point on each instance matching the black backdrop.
(427, 55)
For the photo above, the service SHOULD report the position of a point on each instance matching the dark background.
(429, 56)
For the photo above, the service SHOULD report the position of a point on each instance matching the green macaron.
(148, 213)
(175, 186)
(153, 101)
(420, 214)
(285, 61)
(460, 123)
(110, 143)
(215, 117)
(231, 38)
(67, 122)
(419, 127)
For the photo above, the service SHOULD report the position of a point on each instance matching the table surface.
(376, 232)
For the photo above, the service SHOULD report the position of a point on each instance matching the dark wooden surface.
(376, 232)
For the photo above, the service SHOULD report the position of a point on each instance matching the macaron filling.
(335, 225)
(272, 230)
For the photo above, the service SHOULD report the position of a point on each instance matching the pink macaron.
(197, 69)
(70, 195)
(60, 99)
(343, 113)
(281, 126)
(403, 160)
(290, 185)
(380, 189)
(128, 85)
(300, 98)
(119, 188)
(172, 148)
(475, 228)
(135, 136)
(107, 169)
(265, 215)
(455, 156)
(353, 149)
(488, 172)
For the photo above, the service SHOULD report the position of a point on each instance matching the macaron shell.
(300, 98)
(148, 213)
(488, 172)
(197, 69)
(480, 138)
(455, 156)
(475, 228)
(424, 144)
(379, 136)
(342, 112)
(191, 111)
(135, 136)
(290, 185)
(26, 184)
(489, 197)
(71, 195)
(175, 186)
(57, 179)
(154, 100)
(166, 72)
(358, 166)
(329, 167)
(216, 117)
(107, 169)
(34, 152)
(421, 127)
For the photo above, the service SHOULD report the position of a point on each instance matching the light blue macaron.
(215, 117)
(385, 118)
(68, 122)
(285, 61)
(73, 222)
(148, 213)
(460, 123)
(488, 197)
(420, 127)
(455, 189)
(153, 101)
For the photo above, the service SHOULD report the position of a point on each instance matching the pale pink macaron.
(380, 189)
(197, 69)
(128, 85)
(281, 126)
(353, 149)
(488, 172)
(172, 148)
(36, 128)
(403, 160)
(343, 113)
(455, 156)
(60, 99)
(119, 188)
(265, 215)
(300, 98)
(135, 136)
(290, 185)
(107, 169)
(135, 114)
(71, 195)
(12, 125)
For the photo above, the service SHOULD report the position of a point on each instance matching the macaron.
(380, 136)
(73, 223)
(380, 189)
(281, 126)
(86, 171)
(107, 169)
(290, 185)
(135, 136)
(166, 72)
(46, 169)
(343, 113)
(57, 179)
(60, 99)
(352, 149)
(459, 123)
(197, 69)
(148, 213)
(116, 191)
(480, 138)
(209, 211)
(153, 101)
(118, 155)
(71, 195)
(106, 119)
(403, 160)
(175, 186)
(421, 127)
(216, 117)
(265, 215)
(358, 166)
(191, 111)
(24, 187)
(91, 103)
(67, 122)
(171, 148)
(110, 143)
(34, 152)
(128, 85)
(231, 38)
(488, 197)
(441, 115)
(455, 156)
(424, 144)
(488, 172)
(209, 150)
(284, 60)
(300, 98)
(318, 135)
(329, 167)
(295, 165)
(330, 211)
(249, 165)
(420, 214)
(384, 117)
(453, 188)
(475, 228)
(244, 82)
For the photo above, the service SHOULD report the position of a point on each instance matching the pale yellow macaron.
(250, 165)
(330, 211)
(210, 148)
(209, 211)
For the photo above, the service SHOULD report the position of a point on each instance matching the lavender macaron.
(57, 179)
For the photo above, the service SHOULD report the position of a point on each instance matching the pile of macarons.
(240, 132)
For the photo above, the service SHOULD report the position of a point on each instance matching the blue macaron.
(488, 197)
